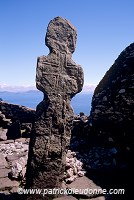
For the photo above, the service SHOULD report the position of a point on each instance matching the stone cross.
(59, 78)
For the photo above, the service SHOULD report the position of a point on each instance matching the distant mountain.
(80, 103)
(28, 98)
(4, 87)
(25, 88)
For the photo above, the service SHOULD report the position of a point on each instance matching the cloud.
(87, 88)
(24, 88)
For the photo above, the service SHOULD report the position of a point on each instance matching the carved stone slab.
(59, 78)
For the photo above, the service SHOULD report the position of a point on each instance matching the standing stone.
(59, 78)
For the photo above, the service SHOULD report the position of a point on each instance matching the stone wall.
(21, 113)
(15, 121)
(112, 110)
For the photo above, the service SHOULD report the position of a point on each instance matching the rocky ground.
(13, 159)
(88, 165)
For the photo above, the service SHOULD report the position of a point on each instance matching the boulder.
(3, 162)
(7, 183)
(4, 122)
(3, 135)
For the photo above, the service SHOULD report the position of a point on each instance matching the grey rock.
(23, 173)
(74, 167)
(12, 150)
(7, 183)
(18, 167)
(3, 133)
(23, 161)
(104, 98)
(99, 198)
(3, 162)
(5, 192)
(122, 91)
(69, 172)
(116, 91)
(15, 156)
(6, 142)
(14, 190)
(23, 140)
(4, 122)
(83, 183)
(13, 112)
(81, 173)
(4, 172)
(59, 78)
(71, 179)
(16, 170)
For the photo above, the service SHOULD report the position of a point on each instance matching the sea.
(80, 103)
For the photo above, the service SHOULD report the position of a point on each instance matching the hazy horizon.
(7, 88)
(80, 103)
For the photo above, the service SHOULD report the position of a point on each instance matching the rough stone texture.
(13, 161)
(3, 162)
(4, 122)
(59, 78)
(3, 133)
(15, 118)
(112, 115)
(12, 152)
(4, 172)
(82, 184)
(13, 112)
(113, 102)
(7, 183)
(99, 198)
(11, 158)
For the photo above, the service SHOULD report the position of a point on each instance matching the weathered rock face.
(59, 78)
(4, 122)
(113, 101)
(11, 118)
(57, 73)
(13, 112)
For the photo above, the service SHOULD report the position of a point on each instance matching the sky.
(104, 29)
